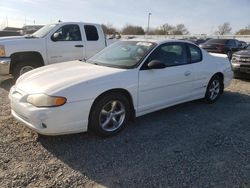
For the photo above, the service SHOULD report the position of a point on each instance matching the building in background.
(15, 31)
(10, 31)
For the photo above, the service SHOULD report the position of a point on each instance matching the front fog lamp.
(43, 100)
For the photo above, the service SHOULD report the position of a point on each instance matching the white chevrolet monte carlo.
(125, 80)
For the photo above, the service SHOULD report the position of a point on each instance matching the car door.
(65, 44)
(167, 86)
(201, 71)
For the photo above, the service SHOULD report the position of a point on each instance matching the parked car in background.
(53, 43)
(199, 41)
(243, 44)
(125, 80)
(224, 46)
(241, 61)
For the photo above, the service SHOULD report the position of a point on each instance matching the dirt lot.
(189, 145)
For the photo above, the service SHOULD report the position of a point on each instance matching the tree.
(223, 29)
(109, 29)
(167, 29)
(133, 30)
(180, 29)
(245, 31)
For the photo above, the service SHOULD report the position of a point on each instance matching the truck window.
(69, 33)
(91, 33)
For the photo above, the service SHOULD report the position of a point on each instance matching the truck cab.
(54, 43)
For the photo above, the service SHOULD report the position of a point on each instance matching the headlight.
(2, 51)
(43, 100)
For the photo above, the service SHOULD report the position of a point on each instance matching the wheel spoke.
(115, 122)
(119, 112)
(104, 112)
(212, 95)
(216, 85)
(217, 90)
(113, 107)
(107, 121)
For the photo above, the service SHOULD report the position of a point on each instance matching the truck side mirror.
(56, 37)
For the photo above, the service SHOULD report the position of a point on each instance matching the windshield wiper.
(92, 62)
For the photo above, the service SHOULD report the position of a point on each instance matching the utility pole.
(149, 14)
(7, 22)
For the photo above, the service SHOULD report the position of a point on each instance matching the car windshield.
(43, 31)
(248, 47)
(123, 54)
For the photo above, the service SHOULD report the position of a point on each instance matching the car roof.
(159, 41)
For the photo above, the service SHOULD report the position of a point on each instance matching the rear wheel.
(214, 89)
(109, 114)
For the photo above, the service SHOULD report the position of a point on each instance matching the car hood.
(243, 52)
(14, 38)
(53, 78)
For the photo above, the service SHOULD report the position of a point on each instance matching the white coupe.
(125, 80)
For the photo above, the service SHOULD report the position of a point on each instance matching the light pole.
(149, 14)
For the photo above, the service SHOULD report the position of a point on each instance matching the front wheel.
(23, 67)
(109, 115)
(214, 89)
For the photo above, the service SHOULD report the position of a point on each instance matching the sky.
(199, 16)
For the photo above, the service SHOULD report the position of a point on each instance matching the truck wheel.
(109, 115)
(21, 68)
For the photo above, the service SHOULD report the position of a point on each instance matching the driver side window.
(68, 33)
(172, 54)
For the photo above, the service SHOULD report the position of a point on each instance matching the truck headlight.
(43, 100)
(2, 51)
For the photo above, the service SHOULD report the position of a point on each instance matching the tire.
(23, 67)
(109, 115)
(214, 89)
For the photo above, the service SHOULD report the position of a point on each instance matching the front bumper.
(66, 119)
(241, 68)
(5, 65)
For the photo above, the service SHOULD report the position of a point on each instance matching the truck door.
(95, 40)
(65, 44)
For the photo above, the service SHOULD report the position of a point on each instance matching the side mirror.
(156, 64)
(56, 37)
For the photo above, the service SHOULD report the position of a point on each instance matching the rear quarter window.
(91, 33)
(195, 53)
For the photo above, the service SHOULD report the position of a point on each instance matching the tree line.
(168, 29)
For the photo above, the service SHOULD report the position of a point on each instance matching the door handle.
(187, 73)
(78, 46)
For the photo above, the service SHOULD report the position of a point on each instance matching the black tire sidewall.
(96, 109)
(19, 66)
(207, 96)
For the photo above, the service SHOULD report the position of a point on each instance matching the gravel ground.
(188, 145)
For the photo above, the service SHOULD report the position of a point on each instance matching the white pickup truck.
(53, 43)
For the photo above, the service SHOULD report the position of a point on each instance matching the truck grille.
(241, 60)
